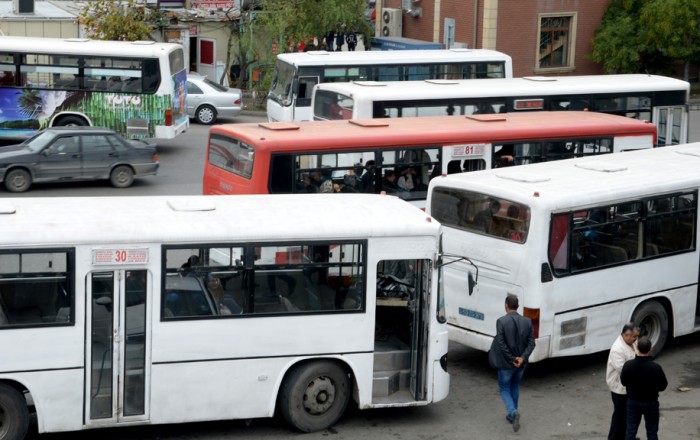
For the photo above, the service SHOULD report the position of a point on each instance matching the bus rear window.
(481, 213)
(231, 155)
(331, 105)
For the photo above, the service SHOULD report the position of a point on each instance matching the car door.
(98, 156)
(59, 160)
(195, 95)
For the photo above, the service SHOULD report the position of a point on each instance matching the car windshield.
(39, 141)
(215, 85)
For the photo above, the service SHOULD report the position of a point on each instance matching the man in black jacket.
(513, 344)
(643, 379)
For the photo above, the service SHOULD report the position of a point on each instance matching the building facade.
(544, 37)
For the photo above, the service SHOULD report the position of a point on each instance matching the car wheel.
(18, 180)
(71, 121)
(205, 114)
(314, 395)
(122, 177)
(14, 416)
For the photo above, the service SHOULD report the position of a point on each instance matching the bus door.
(671, 125)
(400, 348)
(116, 372)
(420, 310)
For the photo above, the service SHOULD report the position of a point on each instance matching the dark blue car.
(76, 153)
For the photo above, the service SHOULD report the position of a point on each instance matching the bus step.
(385, 383)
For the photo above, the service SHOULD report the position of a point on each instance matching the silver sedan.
(207, 100)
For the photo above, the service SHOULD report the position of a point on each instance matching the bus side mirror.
(471, 283)
(295, 86)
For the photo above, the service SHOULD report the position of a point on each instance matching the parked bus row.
(134, 88)
(661, 100)
(323, 308)
(296, 74)
(401, 156)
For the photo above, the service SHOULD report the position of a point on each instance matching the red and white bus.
(401, 155)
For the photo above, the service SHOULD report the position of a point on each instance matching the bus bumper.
(482, 342)
(169, 132)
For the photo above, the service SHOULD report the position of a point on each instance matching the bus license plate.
(471, 314)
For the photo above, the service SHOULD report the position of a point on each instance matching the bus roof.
(431, 130)
(83, 46)
(484, 88)
(564, 184)
(325, 58)
(182, 219)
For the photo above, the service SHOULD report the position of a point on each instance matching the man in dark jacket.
(513, 345)
(643, 379)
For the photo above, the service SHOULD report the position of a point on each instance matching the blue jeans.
(635, 411)
(509, 385)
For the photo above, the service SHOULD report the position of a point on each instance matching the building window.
(556, 42)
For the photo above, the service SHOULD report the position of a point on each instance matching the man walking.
(621, 351)
(644, 379)
(512, 346)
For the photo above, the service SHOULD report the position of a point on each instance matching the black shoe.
(516, 421)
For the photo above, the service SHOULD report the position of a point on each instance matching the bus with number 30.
(192, 308)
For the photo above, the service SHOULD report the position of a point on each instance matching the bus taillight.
(168, 117)
(534, 315)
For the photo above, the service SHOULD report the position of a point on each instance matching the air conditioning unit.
(392, 22)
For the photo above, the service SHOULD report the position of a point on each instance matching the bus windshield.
(281, 87)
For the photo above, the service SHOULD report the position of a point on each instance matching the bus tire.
(121, 176)
(18, 180)
(314, 395)
(652, 320)
(205, 115)
(14, 415)
(71, 121)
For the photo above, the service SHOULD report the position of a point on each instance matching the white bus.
(182, 309)
(587, 245)
(658, 99)
(134, 88)
(296, 74)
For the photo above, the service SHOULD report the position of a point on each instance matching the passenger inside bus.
(484, 219)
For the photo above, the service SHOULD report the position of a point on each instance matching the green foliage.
(673, 27)
(299, 20)
(113, 20)
(647, 35)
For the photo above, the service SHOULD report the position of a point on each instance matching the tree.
(294, 21)
(673, 26)
(647, 35)
(114, 20)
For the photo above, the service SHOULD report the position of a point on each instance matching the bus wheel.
(314, 395)
(122, 177)
(206, 115)
(18, 180)
(71, 121)
(14, 416)
(652, 319)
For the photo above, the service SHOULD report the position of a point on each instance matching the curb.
(254, 112)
